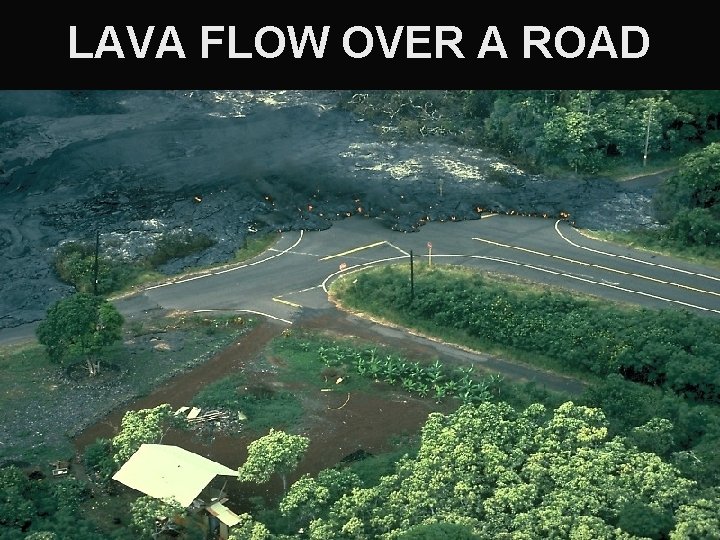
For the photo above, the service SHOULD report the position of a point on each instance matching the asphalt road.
(296, 271)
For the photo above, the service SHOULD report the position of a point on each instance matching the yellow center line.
(293, 304)
(353, 250)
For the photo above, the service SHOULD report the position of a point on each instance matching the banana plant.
(422, 389)
(417, 372)
(495, 382)
(477, 393)
(324, 354)
(435, 373)
(374, 366)
(465, 384)
(440, 392)
(361, 365)
(409, 384)
(391, 370)
(451, 388)
(340, 355)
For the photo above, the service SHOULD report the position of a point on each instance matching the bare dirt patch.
(337, 422)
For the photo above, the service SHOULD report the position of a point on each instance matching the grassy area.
(254, 246)
(555, 329)
(263, 407)
(631, 168)
(372, 468)
(448, 334)
(304, 365)
(318, 361)
(651, 241)
(43, 406)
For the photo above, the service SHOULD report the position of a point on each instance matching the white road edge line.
(244, 311)
(672, 268)
(358, 267)
(606, 268)
(230, 269)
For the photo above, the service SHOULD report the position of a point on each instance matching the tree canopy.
(689, 201)
(80, 326)
(580, 130)
(507, 474)
(144, 426)
(276, 452)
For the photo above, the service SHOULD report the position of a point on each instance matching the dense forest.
(585, 133)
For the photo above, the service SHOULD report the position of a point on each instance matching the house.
(165, 471)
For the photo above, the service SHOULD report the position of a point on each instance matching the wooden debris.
(209, 416)
(195, 416)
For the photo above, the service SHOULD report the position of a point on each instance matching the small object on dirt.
(341, 406)
(357, 455)
(162, 346)
(339, 380)
(60, 468)
(181, 410)
(326, 389)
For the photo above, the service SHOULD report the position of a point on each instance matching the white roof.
(224, 514)
(164, 471)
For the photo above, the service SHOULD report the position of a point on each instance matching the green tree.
(699, 519)
(145, 426)
(570, 135)
(654, 436)
(310, 497)
(439, 531)
(80, 326)
(703, 105)
(249, 529)
(277, 452)
(150, 516)
(509, 474)
(696, 184)
(99, 462)
(41, 535)
(16, 508)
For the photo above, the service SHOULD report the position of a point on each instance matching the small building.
(170, 472)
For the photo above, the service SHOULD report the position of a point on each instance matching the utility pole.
(647, 135)
(412, 278)
(95, 266)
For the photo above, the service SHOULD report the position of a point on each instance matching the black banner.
(266, 50)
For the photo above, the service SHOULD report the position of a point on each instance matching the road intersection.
(297, 271)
